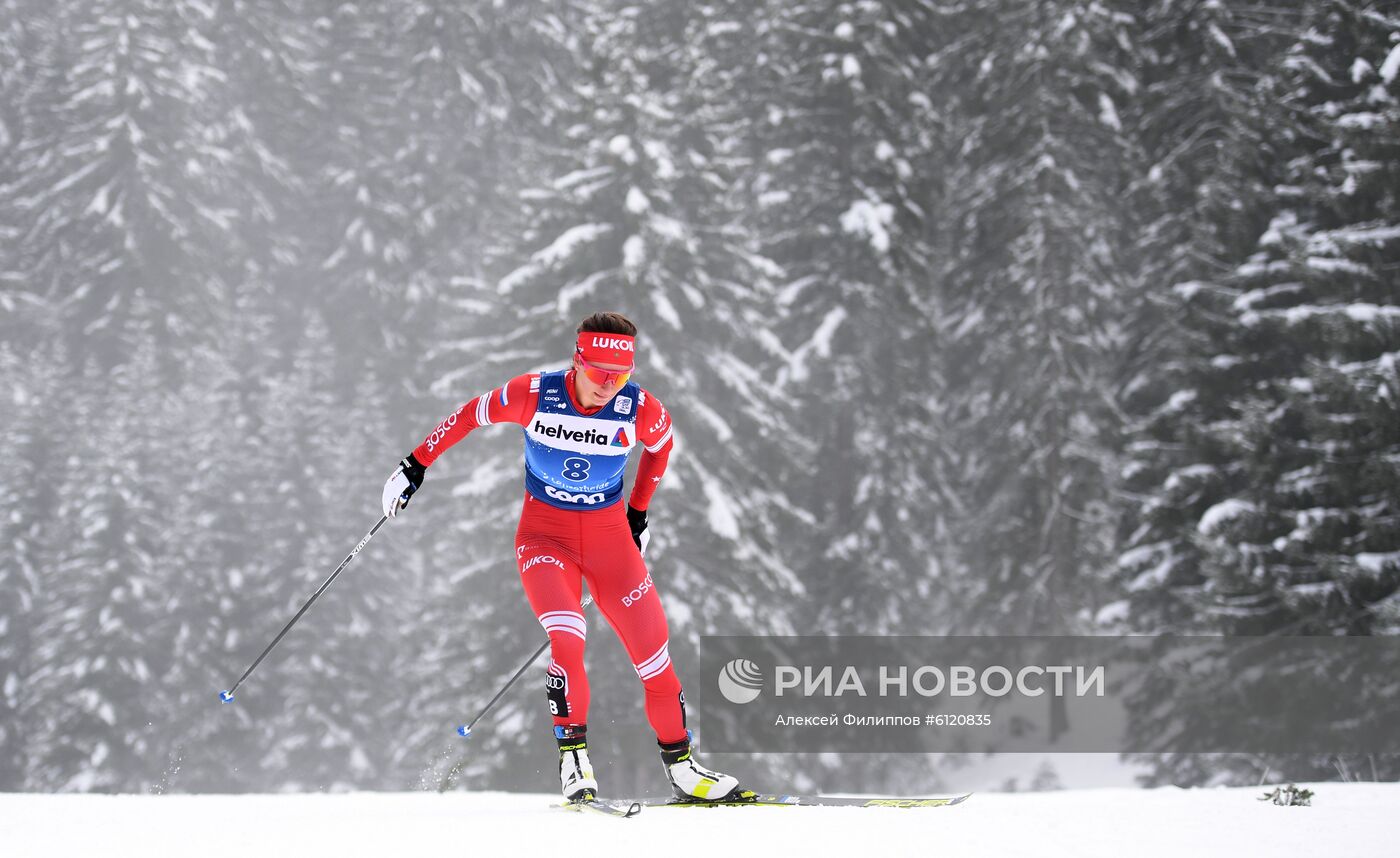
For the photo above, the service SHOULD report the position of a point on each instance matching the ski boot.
(692, 782)
(575, 772)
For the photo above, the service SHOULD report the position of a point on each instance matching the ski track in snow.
(1346, 819)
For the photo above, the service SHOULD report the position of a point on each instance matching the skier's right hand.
(401, 485)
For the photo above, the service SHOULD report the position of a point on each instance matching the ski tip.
(464, 731)
(225, 697)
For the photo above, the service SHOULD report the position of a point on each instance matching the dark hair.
(607, 323)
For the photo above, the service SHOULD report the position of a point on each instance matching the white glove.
(401, 485)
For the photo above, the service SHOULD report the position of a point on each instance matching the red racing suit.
(573, 528)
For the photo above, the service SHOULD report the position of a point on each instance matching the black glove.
(401, 485)
(637, 520)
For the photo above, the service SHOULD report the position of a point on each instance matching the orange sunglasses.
(603, 377)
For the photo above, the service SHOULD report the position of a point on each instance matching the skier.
(580, 424)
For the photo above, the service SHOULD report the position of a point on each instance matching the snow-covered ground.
(1346, 819)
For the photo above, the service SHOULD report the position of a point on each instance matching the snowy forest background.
(994, 317)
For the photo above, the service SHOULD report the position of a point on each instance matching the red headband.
(617, 349)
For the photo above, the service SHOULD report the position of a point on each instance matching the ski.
(754, 799)
(616, 808)
(624, 808)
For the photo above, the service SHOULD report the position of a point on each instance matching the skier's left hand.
(637, 520)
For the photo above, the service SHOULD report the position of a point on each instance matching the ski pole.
(465, 731)
(227, 696)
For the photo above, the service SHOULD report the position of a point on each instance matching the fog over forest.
(988, 318)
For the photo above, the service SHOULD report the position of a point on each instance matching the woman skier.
(579, 425)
